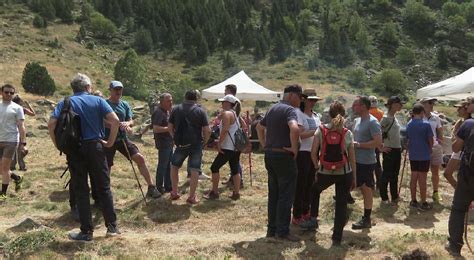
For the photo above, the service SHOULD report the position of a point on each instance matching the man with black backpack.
(189, 127)
(464, 191)
(88, 156)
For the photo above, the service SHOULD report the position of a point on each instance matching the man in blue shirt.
(90, 159)
(122, 143)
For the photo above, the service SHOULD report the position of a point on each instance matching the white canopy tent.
(454, 88)
(247, 89)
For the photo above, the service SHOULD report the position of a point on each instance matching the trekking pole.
(403, 171)
(133, 168)
(466, 219)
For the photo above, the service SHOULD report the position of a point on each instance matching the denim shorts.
(194, 152)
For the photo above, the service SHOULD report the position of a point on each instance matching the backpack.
(333, 148)
(240, 141)
(469, 151)
(185, 133)
(68, 129)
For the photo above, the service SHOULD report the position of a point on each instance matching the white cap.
(229, 98)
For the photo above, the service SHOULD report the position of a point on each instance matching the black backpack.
(185, 133)
(68, 129)
(469, 151)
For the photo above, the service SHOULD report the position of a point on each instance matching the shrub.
(101, 27)
(203, 74)
(356, 77)
(418, 19)
(143, 42)
(390, 82)
(37, 80)
(39, 22)
(405, 56)
(131, 72)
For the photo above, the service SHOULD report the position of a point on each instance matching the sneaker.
(363, 223)
(436, 197)
(296, 221)
(86, 237)
(311, 224)
(385, 202)
(18, 183)
(288, 237)
(161, 190)
(235, 196)
(193, 200)
(211, 195)
(3, 197)
(203, 177)
(174, 196)
(112, 231)
(451, 250)
(75, 214)
(153, 192)
(425, 206)
(414, 204)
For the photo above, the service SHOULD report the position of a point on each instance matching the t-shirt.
(276, 122)
(348, 141)
(463, 133)
(418, 134)
(124, 113)
(364, 131)
(160, 117)
(376, 112)
(393, 136)
(91, 110)
(10, 113)
(435, 123)
(195, 114)
(309, 123)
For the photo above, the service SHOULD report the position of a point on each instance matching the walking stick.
(133, 168)
(403, 171)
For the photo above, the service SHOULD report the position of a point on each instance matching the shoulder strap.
(390, 127)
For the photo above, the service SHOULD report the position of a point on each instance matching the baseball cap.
(115, 84)
(461, 103)
(426, 99)
(393, 100)
(229, 98)
(311, 94)
(293, 89)
(373, 101)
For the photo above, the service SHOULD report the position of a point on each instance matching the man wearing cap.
(278, 133)
(437, 151)
(122, 143)
(464, 191)
(308, 122)
(391, 150)
(91, 159)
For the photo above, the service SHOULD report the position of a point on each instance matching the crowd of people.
(303, 154)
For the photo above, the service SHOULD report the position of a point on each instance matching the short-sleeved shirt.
(435, 123)
(124, 113)
(309, 123)
(195, 114)
(276, 122)
(91, 110)
(348, 141)
(392, 130)
(160, 117)
(10, 114)
(463, 134)
(364, 131)
(376, 112)
(418, 133)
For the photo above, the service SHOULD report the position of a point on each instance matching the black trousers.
(463, 195)
(72, 192)
(91, 161)
(343, 185)
(304, 182)
(391, 169)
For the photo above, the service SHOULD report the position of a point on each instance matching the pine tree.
(202, 49)
(37, 80)
(282, 47)
(228, 61)
(46, 9)
(442, 58)
(143, 41)
(131, 72)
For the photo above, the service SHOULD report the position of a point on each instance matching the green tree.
(202, 49)
(388, 39)
(46, 9)
(282, 47)
(356, 77)
(390, 82)
(64, 10)
(442, 58)
(418, 20)
(39, 22)
(405, 56)
(228, 61)
(143, 42)
(101, 27)
(131, 72)
(451, 9)
(37, 80)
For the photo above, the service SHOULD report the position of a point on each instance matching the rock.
(30, 134)
(43, 127)
(417, 254)
(25, 225)
(43, 102)
(139, 108)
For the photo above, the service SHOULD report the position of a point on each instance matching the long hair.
(337, 113)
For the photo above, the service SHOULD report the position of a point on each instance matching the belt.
(280, 150)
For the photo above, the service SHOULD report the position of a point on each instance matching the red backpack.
(333, 149)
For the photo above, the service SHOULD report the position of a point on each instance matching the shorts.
(419, 166)
(8, 149)
(110, 152)
(194, 152)
(437, 155)
(365, 174)
(456, 156)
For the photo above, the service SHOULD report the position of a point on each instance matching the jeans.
(282, 174)
(91, 161)
(163, 179)
(343, 185)
(391, 169)
(463, 195)
(304, 182)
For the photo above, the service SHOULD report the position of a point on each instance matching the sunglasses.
(9, 92)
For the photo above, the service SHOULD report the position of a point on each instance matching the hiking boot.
(153, 192)
(3, 197)
(193, 200)
(451, 250)
(161, 190)
(311, 224)
(23, 169)
(174, 196)
(18, 183)
(288, 237)
(270, 234)
(235, 196)
(363, 223)
(75, 214)
(425, 206)
(436, 197)
(112, 231)
(414, 204)
(211, 195)
(86, 237)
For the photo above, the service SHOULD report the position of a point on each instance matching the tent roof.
(454, 88)
(246, 89)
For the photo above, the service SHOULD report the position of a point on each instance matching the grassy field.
(212, 229)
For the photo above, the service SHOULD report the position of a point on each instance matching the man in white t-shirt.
(12, 134)
(437, 151)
